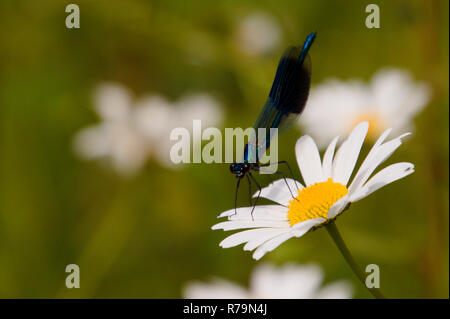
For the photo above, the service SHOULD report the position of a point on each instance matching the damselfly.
(286, 101)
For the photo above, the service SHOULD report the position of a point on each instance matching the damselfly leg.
(282, 175)
(236, 196)
(259, 193)
(249, 190)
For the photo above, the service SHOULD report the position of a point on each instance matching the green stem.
(334, 233)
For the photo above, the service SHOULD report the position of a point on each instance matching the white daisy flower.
(258, 34)
(199, 106)
(132, 131)
(116, 139)
(291, 281)
(392, 99)
(326, 194)
(157, 117)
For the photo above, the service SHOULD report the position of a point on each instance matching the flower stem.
(334, 233)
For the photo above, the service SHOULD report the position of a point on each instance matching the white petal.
(93, 142)
(242, 224)
(399, 98)
(256, 242)
(335, 103)
(336, 290)
(348, 154)
(263, 212)
(376, 156)
(301, 228)
(382, 137)
(296, 231)
(216, 289)
(292, 281)
(385, 176)
(368, 158)
(308, 159)
(278, 191)
(338, 159)
(265, 281)
(338, 207)
(263, 234)
(113, 102)
(327, 164)
(271, 245)
(300, 282)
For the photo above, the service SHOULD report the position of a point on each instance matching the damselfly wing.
(286, 101)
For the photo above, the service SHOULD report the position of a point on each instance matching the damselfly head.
(239, 169)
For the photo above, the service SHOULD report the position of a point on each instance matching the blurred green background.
(146, 236)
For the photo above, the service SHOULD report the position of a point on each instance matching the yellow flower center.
(376, 125)
(315, 201)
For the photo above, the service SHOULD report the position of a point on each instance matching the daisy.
(156, 118)
(132, 131)
(291, 281)
(116, 139)
(257, 34)
(326, 194)
(392, 99)
(327, 191)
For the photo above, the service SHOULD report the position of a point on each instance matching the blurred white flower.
(116, 138)
(199, 106)
(391, 99)
(291, 281)
(257, 34)
(130, 131)
(326, 194)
